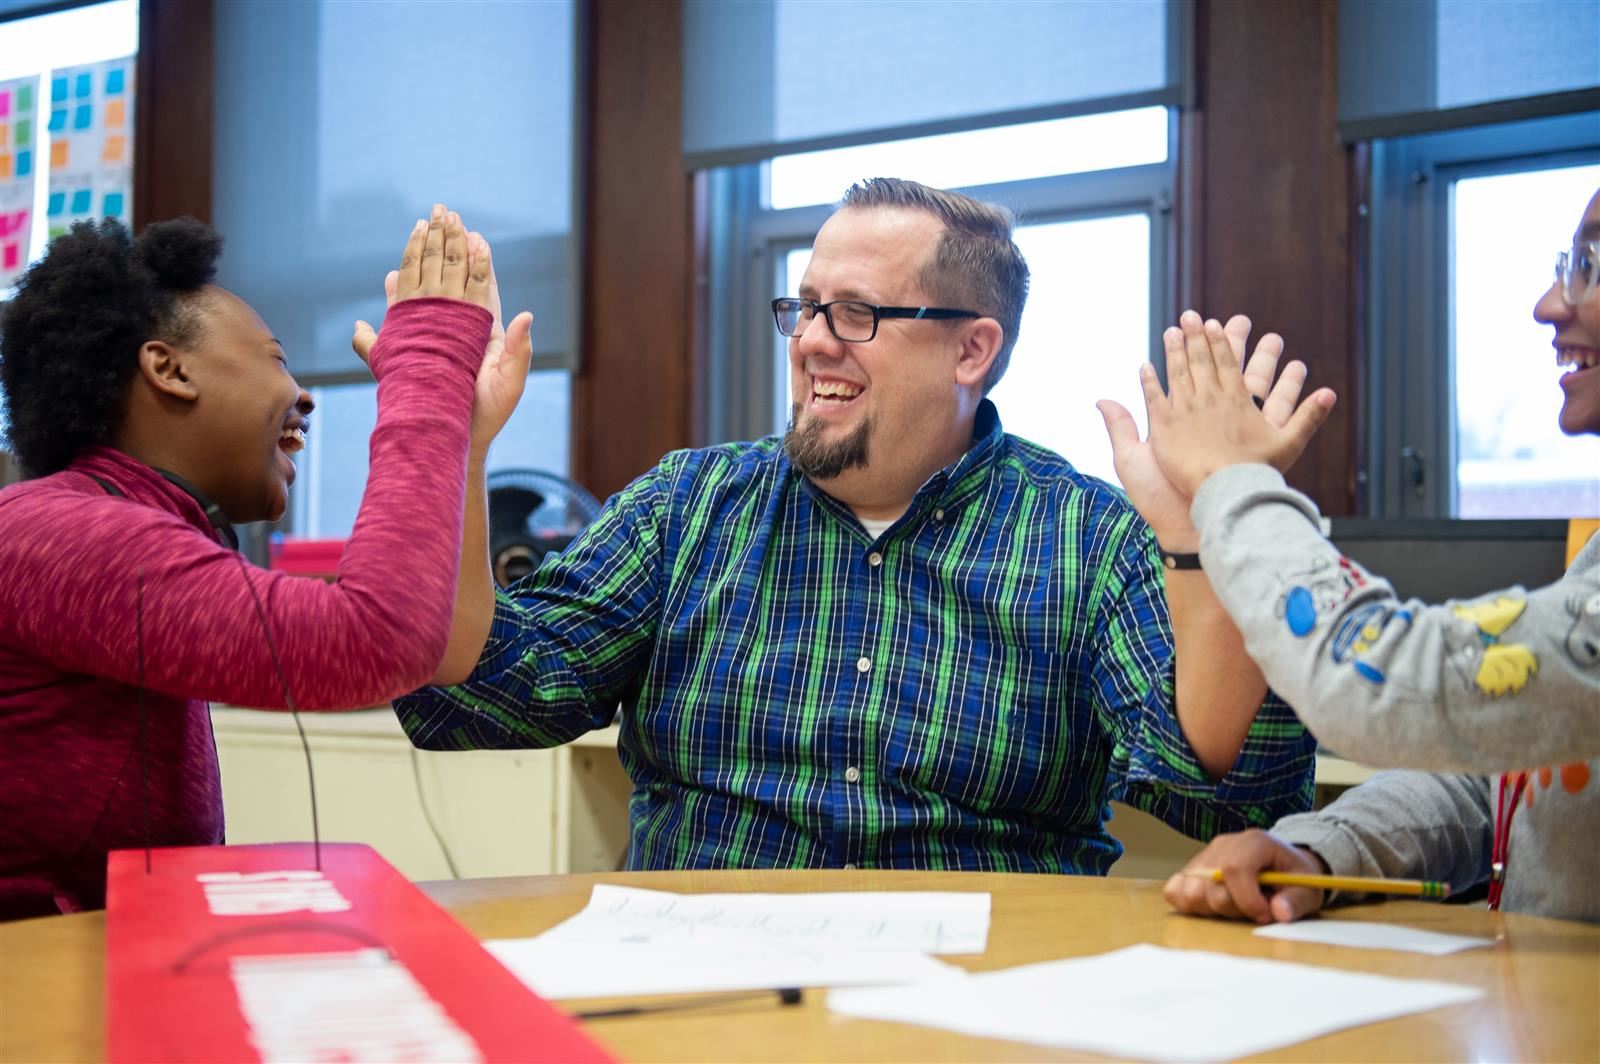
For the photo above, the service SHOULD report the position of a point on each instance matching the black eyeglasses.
(850, 321)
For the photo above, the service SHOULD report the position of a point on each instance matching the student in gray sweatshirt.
(1477, 692)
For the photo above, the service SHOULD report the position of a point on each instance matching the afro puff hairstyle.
(69, 341)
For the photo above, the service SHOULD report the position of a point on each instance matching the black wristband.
(1169, 560)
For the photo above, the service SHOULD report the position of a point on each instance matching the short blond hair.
(976, 266)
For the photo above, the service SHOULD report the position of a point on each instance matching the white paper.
(917, 921)
(566, 968)
(1152, 1003)
(1372, 936)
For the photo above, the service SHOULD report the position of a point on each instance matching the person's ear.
(980, 346)
(164, 368)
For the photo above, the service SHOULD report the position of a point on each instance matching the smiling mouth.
(292, 441)
(1577, 359)
(825, 394)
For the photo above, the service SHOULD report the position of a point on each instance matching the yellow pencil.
(1421, 888)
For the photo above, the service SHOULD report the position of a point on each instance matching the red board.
(224, 953)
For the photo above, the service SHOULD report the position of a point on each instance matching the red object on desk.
(306, 557)
(223, 953)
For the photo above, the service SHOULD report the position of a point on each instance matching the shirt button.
(874, 559)
(852, 775)
(938, 515)
(849, 866)
(863, 664)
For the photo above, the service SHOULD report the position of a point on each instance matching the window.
(1511, 459)
(1467, 225)
(33, 48)
(1092, 225)
(315, 212)
(333, 468)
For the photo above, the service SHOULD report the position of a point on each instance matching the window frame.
(1411, 429)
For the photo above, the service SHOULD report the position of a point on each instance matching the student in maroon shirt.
(151, 409)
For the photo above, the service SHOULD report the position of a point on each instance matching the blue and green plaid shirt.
(969, 690)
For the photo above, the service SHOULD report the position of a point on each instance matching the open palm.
(504, 371)
(1162, 506)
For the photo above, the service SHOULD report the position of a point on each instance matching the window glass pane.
(978, 157)
(1511, 458)
(333, 468)
(1084, 334)
(33, 47)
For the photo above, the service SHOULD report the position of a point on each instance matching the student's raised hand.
(1163, 507)
(1241, 856)
(504, 370)
(1207, 419)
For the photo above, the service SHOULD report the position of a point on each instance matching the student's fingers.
(1244, 891)
(362, 339)
(1223, 361)
(408, 278)
(1180, 387)
(1197, 346)
(478, 279)
(1292, 903)
(391, 286)
(431, 282)
(1237, 330)
(453, 270)
(1307, 419)
(1285, 394)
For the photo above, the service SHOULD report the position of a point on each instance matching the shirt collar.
(141, 483)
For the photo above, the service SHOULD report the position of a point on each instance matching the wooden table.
(1542, 977)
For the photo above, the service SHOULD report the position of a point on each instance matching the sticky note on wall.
(116, 113)
(58, 154)
(5, 103)
(116, 148)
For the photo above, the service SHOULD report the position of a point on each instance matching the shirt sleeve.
(112, 588)
(1403, 825)
(1490, 684)
(1153, 767)
(567, 644)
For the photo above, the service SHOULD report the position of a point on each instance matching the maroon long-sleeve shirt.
(73, 781)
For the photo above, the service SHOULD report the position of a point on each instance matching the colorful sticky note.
(114, 80)
(24, 132)
(58, 120)
(5, 164)
(112, 205)
(116, 147)
(57, 230)
(24, 163)
(81, 201)
(116, 113)
(82, 116)
(24, 98)
(5, 104)
(12, 256)
(83, 86)
(5, 134)
(57, 204)
(58, 89)
(58, 155)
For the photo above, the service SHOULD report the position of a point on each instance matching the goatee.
(817, 458)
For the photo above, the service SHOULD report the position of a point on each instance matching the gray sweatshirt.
(1506, 681)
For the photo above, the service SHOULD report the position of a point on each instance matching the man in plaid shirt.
(896, 636)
